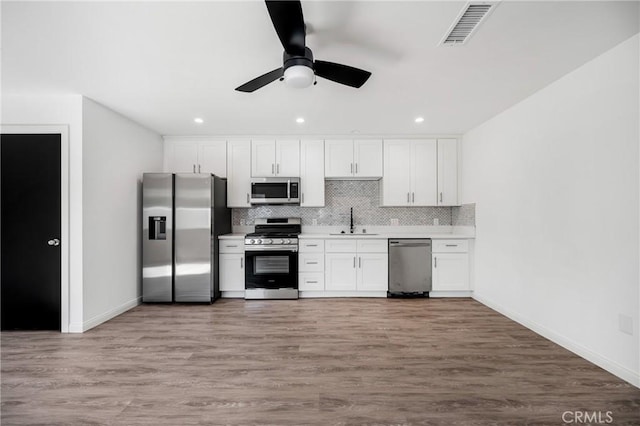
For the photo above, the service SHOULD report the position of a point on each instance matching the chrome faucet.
(351, 227)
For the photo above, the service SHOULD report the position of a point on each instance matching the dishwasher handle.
(422, 243)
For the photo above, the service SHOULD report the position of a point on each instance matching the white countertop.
(433, 232)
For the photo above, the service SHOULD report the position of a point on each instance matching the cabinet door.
(450, 271)
(312, 173)
(238, 173)
(338, 158)
(373, 272)
(231, 272)
(288, 158)
(183, 158)
(340, 271)
(447, 172)
(263, 158)
(367, 158)
(424, 185)
(212, 158)
(396, 181)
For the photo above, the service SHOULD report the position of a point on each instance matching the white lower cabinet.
(231, 267)
(450, 264)
(356, 265)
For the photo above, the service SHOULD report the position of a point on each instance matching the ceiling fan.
(299, 68)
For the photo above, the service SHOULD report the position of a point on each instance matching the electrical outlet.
(394, 222)
(314, 222)
(436, 221)
(625, 324)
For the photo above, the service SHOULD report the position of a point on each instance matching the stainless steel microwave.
(275, 190)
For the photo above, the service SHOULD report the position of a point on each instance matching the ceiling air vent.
(467, 22)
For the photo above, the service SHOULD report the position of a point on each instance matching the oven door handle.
(288, 189)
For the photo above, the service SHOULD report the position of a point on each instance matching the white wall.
(26, 110)
(116, 151)
(556, 184)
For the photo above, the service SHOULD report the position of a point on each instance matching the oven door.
(271, 269)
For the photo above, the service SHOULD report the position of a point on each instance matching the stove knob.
(286, 241)
(252, 241)
(277, 241)
(266, 241)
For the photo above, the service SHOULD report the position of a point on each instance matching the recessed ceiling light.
(419, 119)
(198, 120)
(300, 120)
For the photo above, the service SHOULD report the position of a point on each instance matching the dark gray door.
(30, 271)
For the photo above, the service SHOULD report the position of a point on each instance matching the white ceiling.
(164, 63)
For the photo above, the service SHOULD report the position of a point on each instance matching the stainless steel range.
(271, 255)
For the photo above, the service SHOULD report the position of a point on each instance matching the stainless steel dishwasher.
(409, 267)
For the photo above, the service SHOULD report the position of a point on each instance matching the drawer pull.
(312, 282)
(312, 263)
(312, 245)
(451, 245)
(229, 245)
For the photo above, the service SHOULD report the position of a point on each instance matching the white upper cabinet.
(275, 158)
(239, 173)
(196, 157)
(410, 173)
(353, 159)
(447, 172)
(312, 173)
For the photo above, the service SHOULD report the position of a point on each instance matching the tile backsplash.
(364, 197)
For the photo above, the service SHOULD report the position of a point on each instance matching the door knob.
(54, 242)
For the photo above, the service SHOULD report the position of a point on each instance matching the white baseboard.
(99, 319)
(464, 293)
(330, 293)
(601, 361)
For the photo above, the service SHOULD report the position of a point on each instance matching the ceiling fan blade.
(261, 81)
(342, 74)
(289, 24)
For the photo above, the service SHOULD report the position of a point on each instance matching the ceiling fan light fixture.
(298, 76)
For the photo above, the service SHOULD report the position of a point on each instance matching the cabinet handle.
(312, 263)
(413, 197)
(435, 262)
(199, 168)
(312, 282)
(351, 168)
(194, 168)
(247, 198)
(360, 262)
(407, 197)
(312, 245)
(241, 263)
(302, 201)
(451, 245)
(441, 197)
(232, 245)
(272, 168)
(356, 168)
(278, 168)
(354, 261)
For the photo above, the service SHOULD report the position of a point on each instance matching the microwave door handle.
(289, 190)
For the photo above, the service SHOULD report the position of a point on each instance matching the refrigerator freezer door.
(193, 238)
(157, 237)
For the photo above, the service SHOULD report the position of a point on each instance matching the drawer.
(311, 281)
(450, 246)
(311, 246)
(373, 246)
(340, 246)
(311, 262)
(231, 246)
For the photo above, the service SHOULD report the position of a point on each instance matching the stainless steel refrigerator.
(182, 216)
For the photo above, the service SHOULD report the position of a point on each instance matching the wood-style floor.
(305, 362)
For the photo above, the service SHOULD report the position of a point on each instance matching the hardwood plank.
(309, 361)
